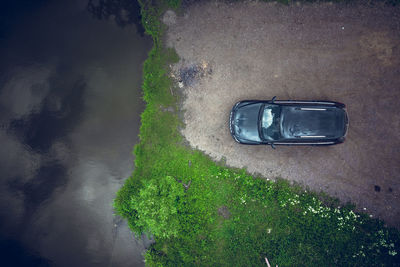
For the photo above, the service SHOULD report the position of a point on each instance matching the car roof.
(312, 122)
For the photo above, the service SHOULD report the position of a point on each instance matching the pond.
(70, 105)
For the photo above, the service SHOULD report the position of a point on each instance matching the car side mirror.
(273, 146)
(273, 99)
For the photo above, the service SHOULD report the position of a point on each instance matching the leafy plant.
(157, 205)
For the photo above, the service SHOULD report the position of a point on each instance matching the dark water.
(70, 100)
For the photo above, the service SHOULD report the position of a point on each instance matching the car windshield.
(270, 122)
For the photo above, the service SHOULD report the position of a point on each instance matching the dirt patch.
(169, 18)
(346, 53)
(189, 75)
(379, 45)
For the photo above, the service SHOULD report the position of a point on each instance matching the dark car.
(288, 122)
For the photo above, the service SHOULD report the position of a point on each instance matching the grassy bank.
(203, 213)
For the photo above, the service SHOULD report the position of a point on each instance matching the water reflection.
(47, 178)
(125, 12)
(17, 255)
(70, 104)
(12, 11)
(60, 111)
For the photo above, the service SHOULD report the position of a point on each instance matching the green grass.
(227, 217)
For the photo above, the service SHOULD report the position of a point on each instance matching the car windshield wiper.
(260, 113)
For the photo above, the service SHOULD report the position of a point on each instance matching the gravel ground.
(254, 50)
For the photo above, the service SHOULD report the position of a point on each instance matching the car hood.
(327, 122)
(245, 122)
